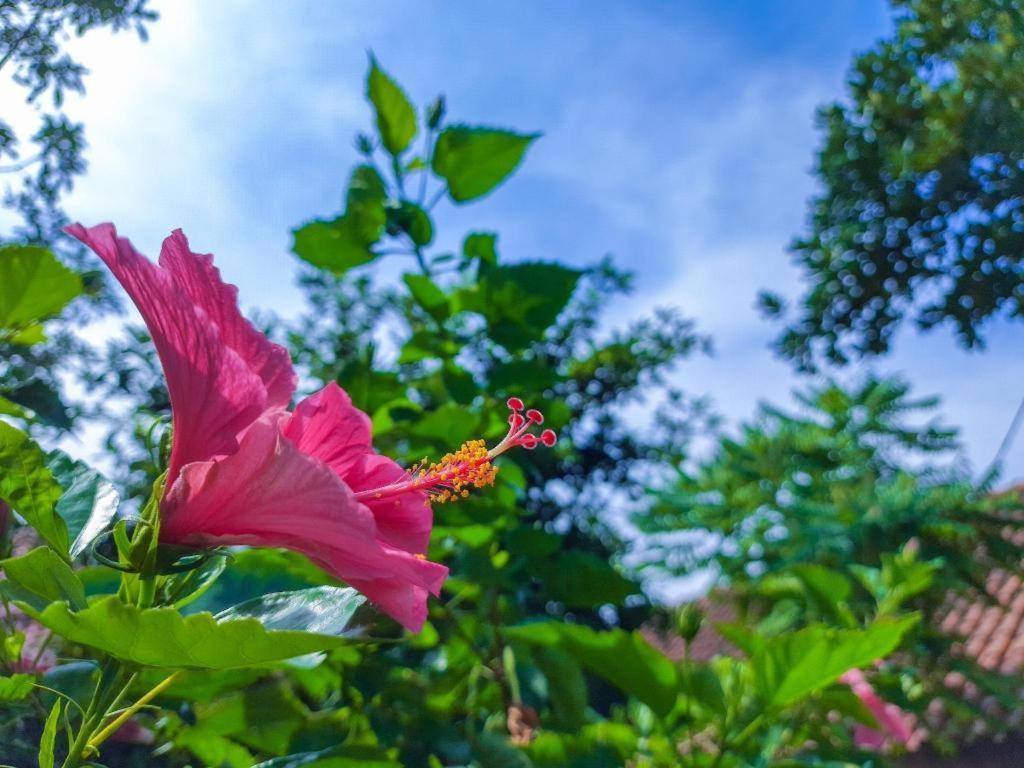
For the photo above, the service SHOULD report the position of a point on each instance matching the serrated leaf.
(162, 637)
(475, 160)
(89, 502)
(33, 285)
(28, 486)
(396, 117)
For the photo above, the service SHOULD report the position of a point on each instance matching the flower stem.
(92, 747)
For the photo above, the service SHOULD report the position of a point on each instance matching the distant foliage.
(846, 510)
(32, 37)
(922, 171)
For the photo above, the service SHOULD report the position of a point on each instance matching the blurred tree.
(922, 174)
(42, 163)
(32, 36)
(816, 516)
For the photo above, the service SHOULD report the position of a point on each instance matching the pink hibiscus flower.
(245, 470)
(895, 725)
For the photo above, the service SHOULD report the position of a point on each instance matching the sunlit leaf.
(476, 160)
(792, 665)
(396, 117)
(33, 285)
(45, 576)
(27, 485)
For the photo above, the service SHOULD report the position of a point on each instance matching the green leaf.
(476, 160)
(459, 383)
(481, 245)
(16, 687)
(702, 685)
(325, 610)
(582, 580)
(345, 242)
(350, 756)
(409, 218)
(790, 666)
(449, 425)
(46, 741)
(396, 117)
(521, 301)
(8, 408)
(427, 294)
(567, 688)
(89, 502)
(162, 637)
(625, 659)
(33, 285)
(27, 485)
(76, 680)
(29, 335)
(45, 575)
(496, 752)
(332, 245)
(42, 400)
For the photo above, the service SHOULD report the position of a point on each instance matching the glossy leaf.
(27, 485)
(89, 502)
(325, 610)
(162, 637)
(476, 160)
(396, 117)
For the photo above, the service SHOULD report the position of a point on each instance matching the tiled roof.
(993, 633)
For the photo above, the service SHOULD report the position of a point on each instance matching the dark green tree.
(920, 216)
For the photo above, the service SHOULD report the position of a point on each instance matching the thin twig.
(1004, 446)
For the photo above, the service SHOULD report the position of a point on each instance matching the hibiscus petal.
(214, 394)
(196, 274)
(269, 493)
(326, 425)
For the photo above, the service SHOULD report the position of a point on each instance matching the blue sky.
(678, 136)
